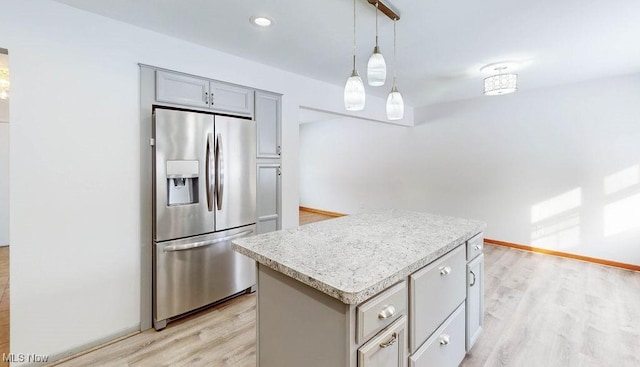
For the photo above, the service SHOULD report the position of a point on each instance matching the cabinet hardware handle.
(477, 247)
(390, 342)
(206, 97)
(444, 339)
(212, 97)
(474, 278)
(387, 312)
(279, 150)
(444, 270)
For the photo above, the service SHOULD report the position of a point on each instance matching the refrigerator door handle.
(219, 171)
(189, 246)
(208, 173)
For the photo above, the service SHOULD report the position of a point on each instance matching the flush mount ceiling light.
(261, 21)
(4, 84)
(354, 96)
(504, 81)
(376, 67)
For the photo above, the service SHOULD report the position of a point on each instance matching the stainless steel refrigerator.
(204, 196)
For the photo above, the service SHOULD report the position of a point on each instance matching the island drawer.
(474, 246)
(445, 348)
(434, 293)
(380, 311)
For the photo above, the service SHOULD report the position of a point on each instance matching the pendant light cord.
(377, 24)
(354, 35)
(395, 61)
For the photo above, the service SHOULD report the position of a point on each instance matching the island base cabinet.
(446, 346)
(387, 349)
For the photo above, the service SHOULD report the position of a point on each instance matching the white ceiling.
(441, 43)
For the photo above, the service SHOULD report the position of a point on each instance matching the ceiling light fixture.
(4, 84)
(354, 95)
(395, 103)
(504, 81)
(376, 68)
(261, 21)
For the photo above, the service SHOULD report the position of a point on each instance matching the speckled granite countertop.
(355, 257)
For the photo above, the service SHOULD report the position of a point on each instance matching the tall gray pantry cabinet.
(269, 164)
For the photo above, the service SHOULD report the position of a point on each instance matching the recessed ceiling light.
(261, 21)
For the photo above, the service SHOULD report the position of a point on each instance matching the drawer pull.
(387, 312)
(444, 270)
(473, 282)
(477, 247)
(390, 342)
(444, 339)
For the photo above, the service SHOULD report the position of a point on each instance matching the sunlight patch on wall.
(622, 180)
(622, 215)
(558, 234)
(556, 205)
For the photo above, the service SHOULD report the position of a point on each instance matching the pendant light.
(395, 104)
(354, 96)
(376, 68)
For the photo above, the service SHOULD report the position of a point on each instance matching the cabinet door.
(475, 300)
(268, 117)
(387, 349)
(231, 98)
(269, 178)
(181, 89)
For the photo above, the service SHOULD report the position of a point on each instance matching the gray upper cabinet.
(187, 90)
(268, 117)
(231, 98)
(182, 89)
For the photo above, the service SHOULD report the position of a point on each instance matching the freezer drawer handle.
(189, 246)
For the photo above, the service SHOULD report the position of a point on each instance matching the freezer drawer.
(194, 272)
(445, 348)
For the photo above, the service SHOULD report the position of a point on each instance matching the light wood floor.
(4, 303)
(540, 311)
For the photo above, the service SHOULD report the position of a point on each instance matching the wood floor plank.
(4, 304)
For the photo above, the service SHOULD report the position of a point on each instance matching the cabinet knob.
(390, 342)
(478, 247)
(445, 270)
(444, 339)
(387, 312)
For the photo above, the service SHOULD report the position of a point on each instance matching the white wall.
(4, 162)
(4, 182)
(75, 171)
(555, 168)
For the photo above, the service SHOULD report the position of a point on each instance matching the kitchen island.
(374, 289)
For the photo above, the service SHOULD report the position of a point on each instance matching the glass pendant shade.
(500, 84)
(354, 96)
(395, 105)
(376, 69)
